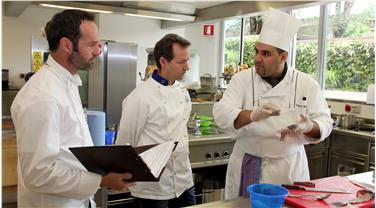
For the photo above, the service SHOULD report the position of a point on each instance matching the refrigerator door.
(112, 79)
(96, 93)
(121, 77)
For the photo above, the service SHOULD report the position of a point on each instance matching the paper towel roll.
(371, 94)
(97, 126)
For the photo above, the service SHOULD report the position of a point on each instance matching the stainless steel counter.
(209, 139)
(204, 139)
(360, 134)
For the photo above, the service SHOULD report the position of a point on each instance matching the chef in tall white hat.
(272, 110)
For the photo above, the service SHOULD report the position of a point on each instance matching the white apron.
(282, 162)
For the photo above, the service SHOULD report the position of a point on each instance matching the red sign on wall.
(208, 30)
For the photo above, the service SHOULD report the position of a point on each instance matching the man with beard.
(49, 118)
(273, 111)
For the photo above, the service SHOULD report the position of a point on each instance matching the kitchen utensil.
(198, 131)
(328, 190)
(207, 80)
(361, 196)
(305, 183)
(347, 121)
(334, 182)
(367, 187)
(315, 197)
(359, 122)
(340, 204)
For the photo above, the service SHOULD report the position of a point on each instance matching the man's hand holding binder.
(117, 181)
(144, 163)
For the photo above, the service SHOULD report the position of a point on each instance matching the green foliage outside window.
(350, 64)
(232, 51)
(232, 47)
(353, 65)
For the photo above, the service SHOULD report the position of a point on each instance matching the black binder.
(116, 158)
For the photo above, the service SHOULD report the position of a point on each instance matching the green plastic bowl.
(205, 121)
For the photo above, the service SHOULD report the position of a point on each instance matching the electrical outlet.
(356, 109)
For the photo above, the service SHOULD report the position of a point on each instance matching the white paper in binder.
(371, 94)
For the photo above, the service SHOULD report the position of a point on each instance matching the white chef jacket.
(282, 162)
(49, 118)
(152, 114)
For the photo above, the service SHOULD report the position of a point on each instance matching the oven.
(209, 155)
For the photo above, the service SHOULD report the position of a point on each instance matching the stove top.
(210, 150)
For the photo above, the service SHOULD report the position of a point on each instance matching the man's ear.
(162, 61)
(66, 45)
(284, 56)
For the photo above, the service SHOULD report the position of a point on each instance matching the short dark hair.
(66, 24)
(163, 48)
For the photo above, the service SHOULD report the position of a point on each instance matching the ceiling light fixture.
(69, 7)
(154, 17)
(118, 10)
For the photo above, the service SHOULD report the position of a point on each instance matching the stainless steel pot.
(207, 80)
(347, 121)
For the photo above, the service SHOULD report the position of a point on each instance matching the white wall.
(146, 32)
(17, 33)
(366, 111)
(16, 40)
(207, 46)
(142, 31)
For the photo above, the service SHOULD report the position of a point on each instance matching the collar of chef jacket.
(159, 79)
(64, 73)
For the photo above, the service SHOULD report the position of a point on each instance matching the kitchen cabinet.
(350, 153)
(371, 165)
(317, 156)
(344, 152)
(9, 159)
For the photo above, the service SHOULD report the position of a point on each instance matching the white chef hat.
(278, 29)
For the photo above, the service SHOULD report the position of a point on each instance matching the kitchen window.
(351, 49)
(306, 47)
(252, 28)
(240, 36)
(232, 38)
(335, 45)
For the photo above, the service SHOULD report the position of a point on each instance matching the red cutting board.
(335, 182)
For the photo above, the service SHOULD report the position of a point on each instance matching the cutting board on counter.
(335, 182)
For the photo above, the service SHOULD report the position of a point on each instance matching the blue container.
(110, 137)
(267, 195)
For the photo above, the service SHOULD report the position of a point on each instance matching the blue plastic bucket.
(267, 195)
